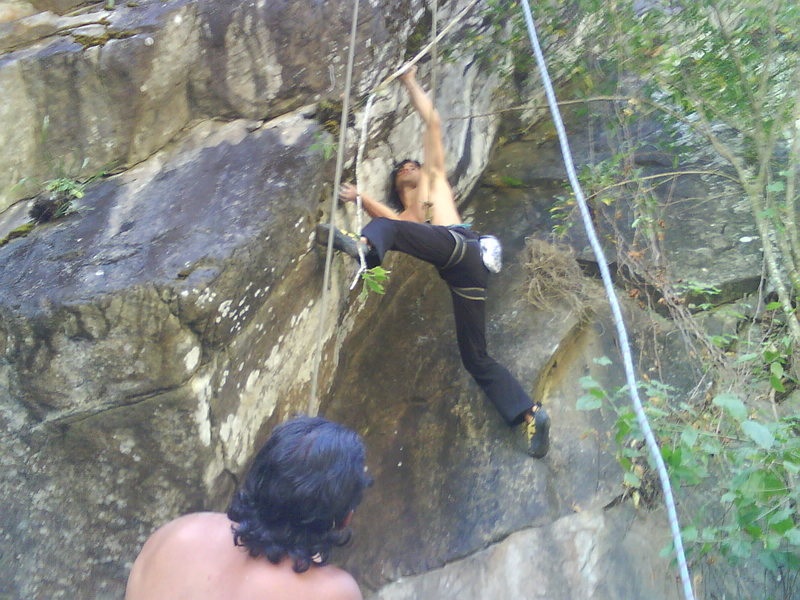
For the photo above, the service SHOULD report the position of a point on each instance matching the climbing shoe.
(342, 240)
(538, 432)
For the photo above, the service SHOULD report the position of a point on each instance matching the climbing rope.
(362, 144)
(312, 401)
(418, 56)
(624, 344)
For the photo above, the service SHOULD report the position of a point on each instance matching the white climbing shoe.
(491, 253)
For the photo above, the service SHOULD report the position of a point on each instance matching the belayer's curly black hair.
(298, 492)
(394, 196)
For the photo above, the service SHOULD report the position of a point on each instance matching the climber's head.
(404, 173)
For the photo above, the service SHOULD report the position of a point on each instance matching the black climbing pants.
(455, 252)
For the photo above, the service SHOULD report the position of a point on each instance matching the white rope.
(362, 144)
(425, 50)
(435, 49)
(624, 344)
(312, 400)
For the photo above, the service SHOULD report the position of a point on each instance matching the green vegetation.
(373, 280)
(19, 232)
(55, 198)
(324, 145)
(722, 79)
(752, 460)
(87, 41)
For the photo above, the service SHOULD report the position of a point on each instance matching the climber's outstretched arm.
(348, 193)
(432, 143)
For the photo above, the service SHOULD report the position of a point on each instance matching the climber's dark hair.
(394, 197)
(295, 497)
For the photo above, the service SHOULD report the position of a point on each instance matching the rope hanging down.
(312, 400)
(624, 344)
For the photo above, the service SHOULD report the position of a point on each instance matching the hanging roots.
(554, 276)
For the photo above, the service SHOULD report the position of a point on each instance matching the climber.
(427, 225)
(294, 506)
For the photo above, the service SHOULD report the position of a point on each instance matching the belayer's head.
(406, 170)
(298, 495)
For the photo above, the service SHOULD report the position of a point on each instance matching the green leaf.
(689, 534)
(773, 305)
(776, 383)
(732, 405)
(689, 436)
(603, 361)
(793, 536)
(759, 434)
(588, 402)
(747, 357)
(773, 541)
(776, 186)
(741, 548)
(775, 560)
(588, 382)
(781, 521)
(776, 369)
(631, 479)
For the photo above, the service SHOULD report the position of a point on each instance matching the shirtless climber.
(427, 225)
(294, 506)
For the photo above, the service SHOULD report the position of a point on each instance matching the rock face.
(115, 93)
(147, 321)
(150, 341)
(575, 557)
(452, 481)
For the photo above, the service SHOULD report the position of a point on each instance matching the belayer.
(426, 225)
(292, 508)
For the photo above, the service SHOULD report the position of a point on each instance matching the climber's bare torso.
(424, 191)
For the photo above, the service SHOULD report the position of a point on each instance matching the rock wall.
(149, 342)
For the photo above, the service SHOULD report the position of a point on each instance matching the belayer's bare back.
(194, 558)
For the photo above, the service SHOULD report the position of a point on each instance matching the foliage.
(57, 195)
(723, 80)
(755, 463)
(725, 75)
(19, 232)
(500, 40)
(373, 280)
(323, 145)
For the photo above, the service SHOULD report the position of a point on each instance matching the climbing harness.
(624, 344)
(460, 249)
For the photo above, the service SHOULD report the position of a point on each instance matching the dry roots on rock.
(554, 276)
